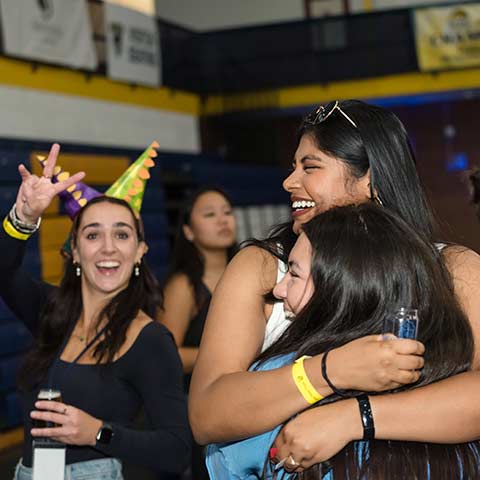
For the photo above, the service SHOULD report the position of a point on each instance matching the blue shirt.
(247, 459)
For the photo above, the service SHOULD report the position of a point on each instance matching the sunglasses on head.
(323, 112)
(320, 115)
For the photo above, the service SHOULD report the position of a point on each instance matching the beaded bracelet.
(23, 227)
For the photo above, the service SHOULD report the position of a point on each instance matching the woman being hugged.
(348, 152)
(204, 244)
(94, 339)
(351, 268)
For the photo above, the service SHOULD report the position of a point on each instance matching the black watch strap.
(367, 417)
(105, 434)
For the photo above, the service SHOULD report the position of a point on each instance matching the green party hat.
(131, 185)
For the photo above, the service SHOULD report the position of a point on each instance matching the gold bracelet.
(305, 387)
(12, 232)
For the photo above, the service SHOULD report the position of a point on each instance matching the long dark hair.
(366, 262)
(187, 258)
(474, 178)
(64, 307)
(378, 143)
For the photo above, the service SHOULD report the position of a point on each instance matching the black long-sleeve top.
(148, 376)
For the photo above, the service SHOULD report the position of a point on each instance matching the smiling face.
(296, 288)
(212, 223)
(107, 248)
(320, 182)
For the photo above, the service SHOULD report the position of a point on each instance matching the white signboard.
(51, 31)
(133, 46)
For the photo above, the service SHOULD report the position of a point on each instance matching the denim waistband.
(99, 469)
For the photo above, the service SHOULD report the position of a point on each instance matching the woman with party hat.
(95, 341)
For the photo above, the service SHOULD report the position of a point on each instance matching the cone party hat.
(131, 185)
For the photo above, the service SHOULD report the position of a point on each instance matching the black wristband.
(367, 417)
(338, 391)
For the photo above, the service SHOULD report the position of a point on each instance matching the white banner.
(133, 46)
(52, 31)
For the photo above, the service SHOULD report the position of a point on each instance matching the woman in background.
(349, 269)
(204, 244)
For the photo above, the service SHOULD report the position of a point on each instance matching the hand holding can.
(401, 323)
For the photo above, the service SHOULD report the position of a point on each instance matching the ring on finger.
(290, 462)
(48, 177)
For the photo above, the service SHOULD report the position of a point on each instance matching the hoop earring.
(136, 270)
(78, 269)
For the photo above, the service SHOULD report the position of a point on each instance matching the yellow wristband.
(10, 229)
(305, 387)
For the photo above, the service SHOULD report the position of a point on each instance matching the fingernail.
(273, 452)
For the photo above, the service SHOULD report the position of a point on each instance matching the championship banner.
(51, 31)
(133, 46)
(448, 37)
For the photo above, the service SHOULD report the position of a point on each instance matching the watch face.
(105, 434)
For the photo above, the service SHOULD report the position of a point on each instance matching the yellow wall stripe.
(99, 169)
(393, 85)
(11, 438)
(19, 73)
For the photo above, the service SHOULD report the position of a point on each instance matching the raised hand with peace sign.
(36, 193)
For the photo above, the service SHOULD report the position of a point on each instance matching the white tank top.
(276, 323)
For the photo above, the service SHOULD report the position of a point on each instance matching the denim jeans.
(101, 469)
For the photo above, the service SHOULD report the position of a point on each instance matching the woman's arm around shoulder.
(445, 411)
(156, 374)
(232, 339)
(464, 266)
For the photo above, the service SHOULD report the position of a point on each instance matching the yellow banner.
(448, 37)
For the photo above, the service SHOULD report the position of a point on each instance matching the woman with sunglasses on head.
(351, 268)
(95, 340)
(204, 244)
(363, 158)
